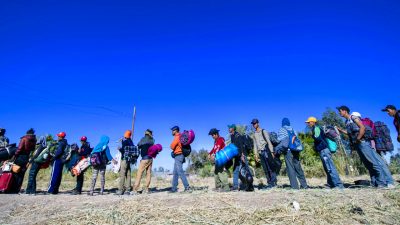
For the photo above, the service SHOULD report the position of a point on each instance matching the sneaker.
(172, 191)
(119, 193)
(90, 193)
(134, 193)
(391, 186)
(188, 190)
(75, 192)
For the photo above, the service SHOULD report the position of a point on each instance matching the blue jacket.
(62, 144)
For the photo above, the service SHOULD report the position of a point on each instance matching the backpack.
(186, 150)
(67, 154)
(131, 153)
(294, 142)
(383, 141)
(246, 177)
(154, 150)
(46, 155)
(331, 136)
(368, 122)
(247, 143)
(353, 129)
(97, 159)
(187, 137)
(273, 137)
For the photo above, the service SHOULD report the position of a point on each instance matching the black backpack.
(186, 150)
(246, 177)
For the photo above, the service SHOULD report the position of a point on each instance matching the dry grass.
(318, 206)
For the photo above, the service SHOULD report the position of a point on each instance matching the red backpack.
(370, 123)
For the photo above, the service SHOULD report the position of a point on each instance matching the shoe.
(173, 191)
(216, 189)
(90, 193)
(119, 193)
(75, 192)
(146, 192)
(391, 186)
(188, 190)
(134, 193)
(234, 189)
(269, 187)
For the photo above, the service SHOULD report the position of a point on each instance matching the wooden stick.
(133, 121)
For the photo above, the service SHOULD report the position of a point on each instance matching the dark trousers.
(21, 161)
(31, 188)
(294, 170)
(56, 176)
(269, 166)
(79, 182)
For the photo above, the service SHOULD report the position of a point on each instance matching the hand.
(273, 155)
(257, 159)
(114, 161)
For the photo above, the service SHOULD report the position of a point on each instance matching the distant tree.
(161, 169)
(331, 117)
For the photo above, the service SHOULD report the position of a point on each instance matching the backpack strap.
(262, 132)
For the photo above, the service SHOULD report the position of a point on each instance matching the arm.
(270, 146)
(21, 145)
(256, 157)
(362, 129)
(59, 151)
(108, 153)
(175, 143)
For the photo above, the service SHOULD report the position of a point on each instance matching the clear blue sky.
(80, 66)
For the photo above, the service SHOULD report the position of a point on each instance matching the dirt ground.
(318, 205)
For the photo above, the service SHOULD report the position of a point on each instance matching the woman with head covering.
(103, 152)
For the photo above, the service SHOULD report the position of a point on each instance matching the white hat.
(356, 114)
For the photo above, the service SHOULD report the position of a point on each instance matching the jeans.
(294, 170)
(125, 175)
(145, 165)
(56, 176)
(236, 171)
(386, 171)
(31, 188)
(369, 157)
(333, 178)
(96, 171)
(178, 172)
(267, 163)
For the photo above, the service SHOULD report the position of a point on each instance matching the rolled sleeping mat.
(225, 155)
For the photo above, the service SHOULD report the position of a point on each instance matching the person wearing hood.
(104, 150)
(4, 141)
(292, 158)
(21, 158)
(57, 169)
(35, 167)
(146, 163)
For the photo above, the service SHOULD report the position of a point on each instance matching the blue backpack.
(294, 142)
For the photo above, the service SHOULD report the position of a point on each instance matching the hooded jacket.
(144, 144)
(26, 145)
(103, 146)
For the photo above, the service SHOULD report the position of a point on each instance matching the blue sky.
(80, 66)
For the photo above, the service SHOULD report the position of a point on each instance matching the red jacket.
(26, 145)
(219, 144)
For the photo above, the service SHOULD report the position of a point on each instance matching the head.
(255, 123)
(390, 109)
(83, 139)
(214, 133)
(2, 131)
(232, 128)
(128, 134)
(30, 132)
(175, 130)
(344, 111)
(311, 121)
(285, 122)
(104, 140)
(61, 135)
(149, 133)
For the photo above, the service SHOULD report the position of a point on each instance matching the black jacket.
(144, 144)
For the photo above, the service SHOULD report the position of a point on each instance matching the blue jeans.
(369, 157)
(385, 169)
(178, 172)
(333, 178)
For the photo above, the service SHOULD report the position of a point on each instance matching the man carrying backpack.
(83, 152)
(220, 173)
(4, 141)
(292, 158)
(127, 158)
(57, 169)
(179, 158)
(146, 163)
(264, 153)
(321, 146)
(393, 112)
(239, 141)
(35, 167)
(356, 131)
(21, 158)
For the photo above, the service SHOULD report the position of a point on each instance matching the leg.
(148, 173)
(263, 162)
(175, 176)
(385, 169)
(59, 178)
(31, 187)
(103, 179)
(236, 170)
(299, 170)
(330, 169)
(371, 162)
(181, 172)
(290, 170)
(55, 173)
(122, 176)
(79, 182)
(94, 178)
(128, 184)
(223, 178)
(218, 183)
(139, 175)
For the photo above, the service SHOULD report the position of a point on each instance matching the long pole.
(133, 121)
